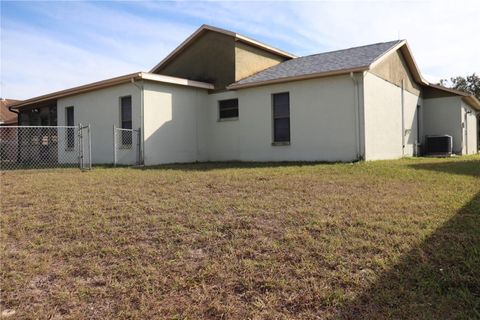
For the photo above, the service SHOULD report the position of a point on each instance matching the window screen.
(228, 109)
(126, 112)
(281, 117)
(126, 119)
(70, 121)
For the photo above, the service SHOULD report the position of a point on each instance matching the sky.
(50, 46)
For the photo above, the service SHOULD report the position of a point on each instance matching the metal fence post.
(80, 147)
(139, 145)
(89, 148)
(114, 146)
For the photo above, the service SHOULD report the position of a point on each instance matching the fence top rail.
(122, 129)
(47, 127)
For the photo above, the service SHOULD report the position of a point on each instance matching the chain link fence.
(36, 147)
(126, 146)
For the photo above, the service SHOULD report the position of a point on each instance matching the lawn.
(377, 240)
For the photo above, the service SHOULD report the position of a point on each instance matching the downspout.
(142, 121)
(356, 107)
(403, 119)
(14, 111)
(197, 151)
(467, 112)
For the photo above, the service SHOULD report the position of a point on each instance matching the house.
(7, 117)
(8, 120)
(452, 112)
(222, 96)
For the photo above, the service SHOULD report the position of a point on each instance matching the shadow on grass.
(468, 167)
(440, 279)
(209, 166)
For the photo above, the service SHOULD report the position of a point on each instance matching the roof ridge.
(356, 47)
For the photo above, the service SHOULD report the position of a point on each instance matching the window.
(228, 109)
(281, 118)
(126, 119)
(69, 120)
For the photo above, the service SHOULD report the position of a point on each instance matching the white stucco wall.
(174, 123)
(322, 123)
(101, 109)
(383, 119)
(443, 116)
(469, 119)
(181, 123)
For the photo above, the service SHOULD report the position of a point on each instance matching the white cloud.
(51, 65)
(78, 43)
(38, 60)
(439, 33)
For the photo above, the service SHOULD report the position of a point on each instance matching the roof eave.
(472, 101)
(407, 54)
(297, 78)
(175, 80)
(468, 98)
(409, 59)
(77, 90)
(236, 36)
(450, 90)
(253, 42)
(112, 82)
(264, 46)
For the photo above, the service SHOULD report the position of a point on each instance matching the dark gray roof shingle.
(323, 62)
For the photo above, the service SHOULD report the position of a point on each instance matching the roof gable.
(394, 69)
(206, 28)
(328, 63)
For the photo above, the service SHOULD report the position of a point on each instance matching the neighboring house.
(7, 117)
(222, 96)
(8, 134)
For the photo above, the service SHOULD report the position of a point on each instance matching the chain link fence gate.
(126, 146)
(38, 147)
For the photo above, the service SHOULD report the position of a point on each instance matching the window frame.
(219, 118)
(274, 142)
(126, 141)
(70, 134)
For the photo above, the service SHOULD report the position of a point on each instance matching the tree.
(469, 84)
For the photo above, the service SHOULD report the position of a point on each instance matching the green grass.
(377, 240)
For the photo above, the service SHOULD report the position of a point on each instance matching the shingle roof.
(346, 59)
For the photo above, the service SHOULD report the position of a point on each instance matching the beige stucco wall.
(443, 116)
(383, 119)
(211, 59)
(174, 123)
(250, 60)
(394, 69)
(322, 123)
(219, 59)
(100, 109)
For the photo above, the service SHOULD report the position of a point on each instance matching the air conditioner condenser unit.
(438, 145)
